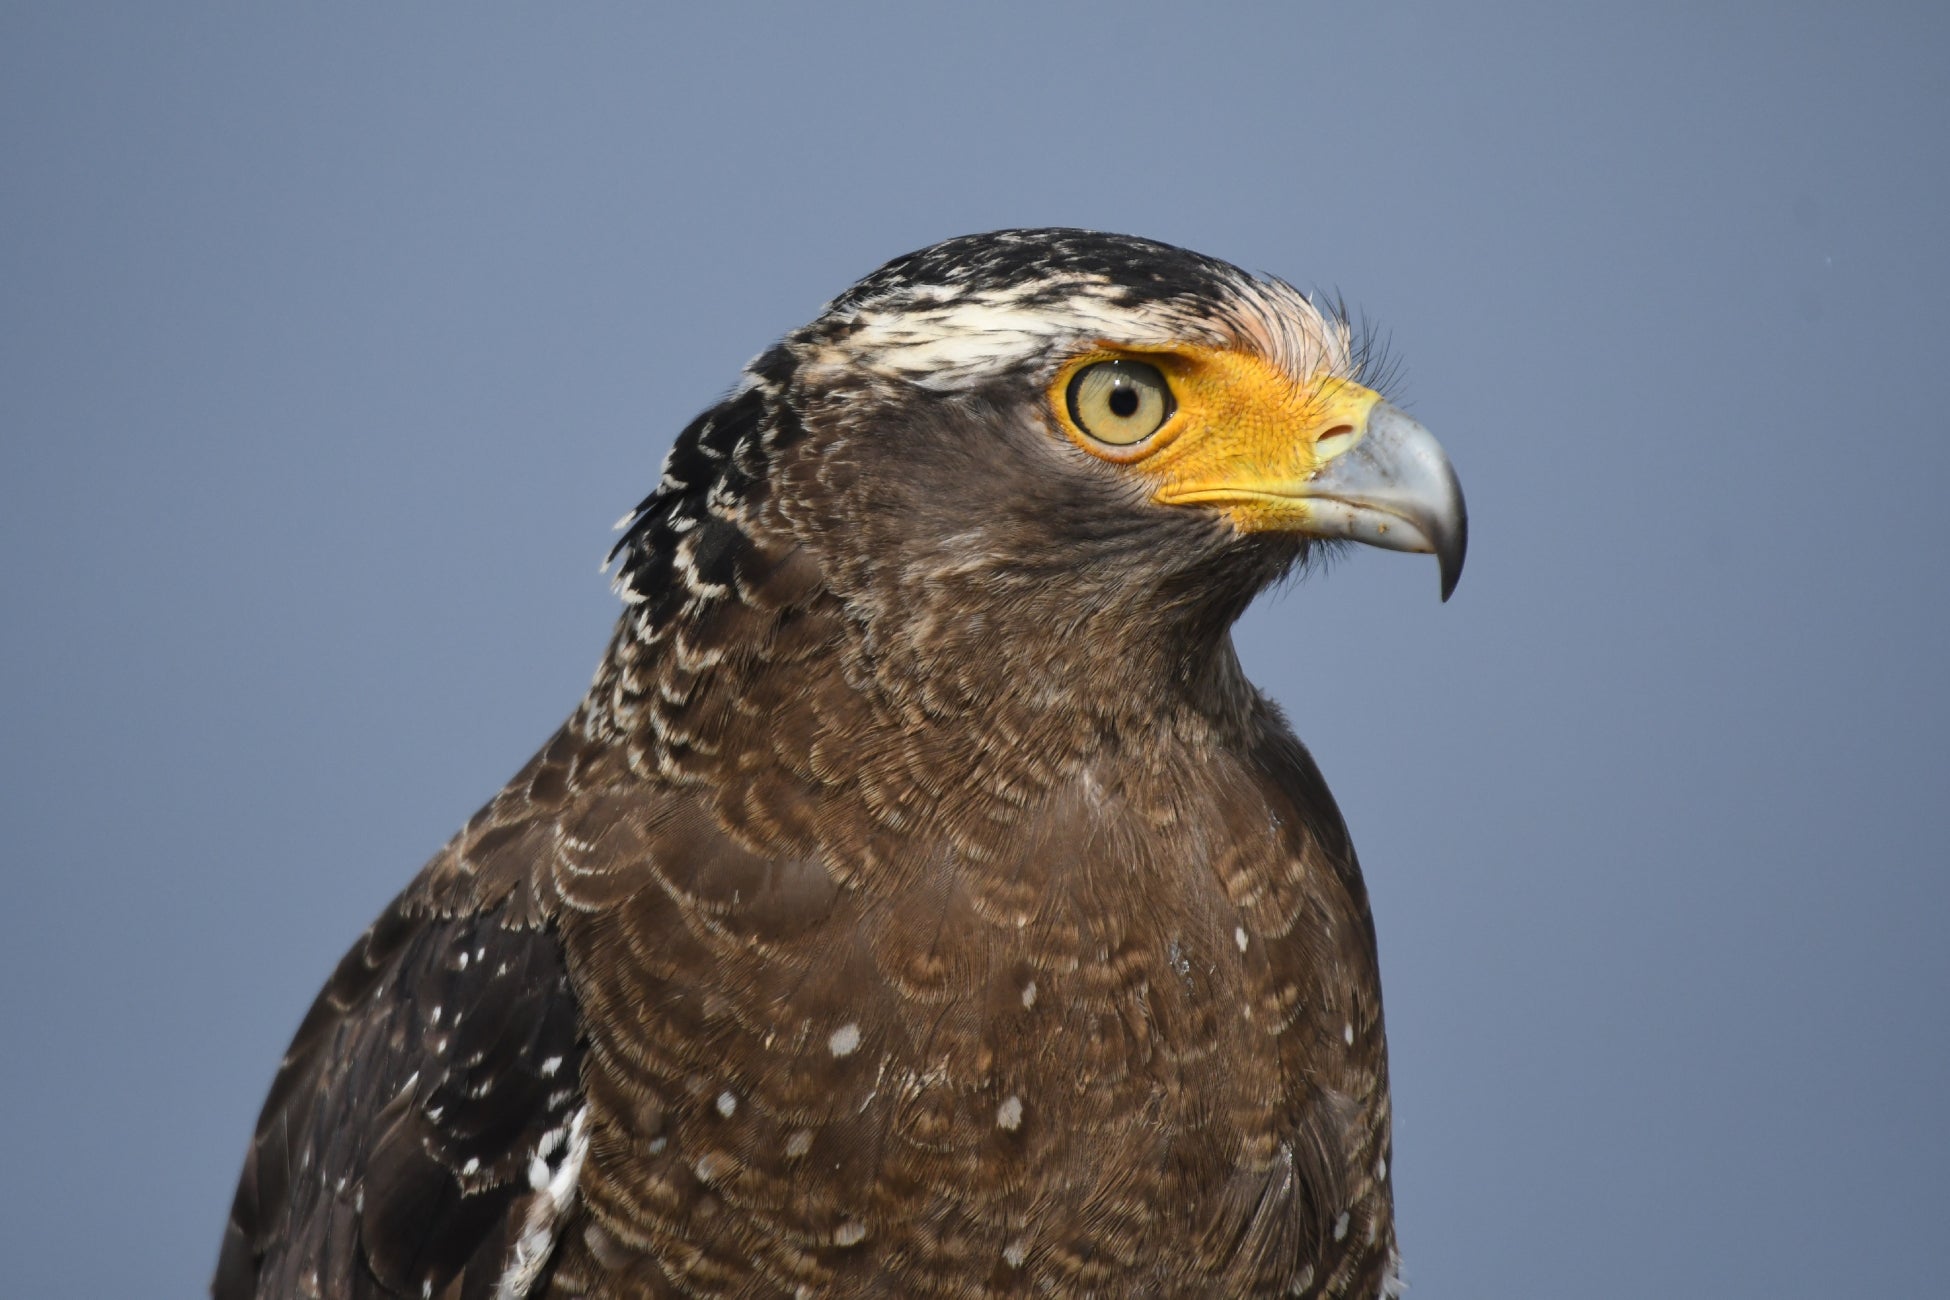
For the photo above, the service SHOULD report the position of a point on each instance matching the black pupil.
(1123, 402)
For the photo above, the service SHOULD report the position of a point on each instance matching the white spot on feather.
(550, 1066)
(1393, 1285)
(1340, 1226)
(844, 1040)
(1239, 936)
(727, 1104)
(1008, 1115)
(1014, 1253)
(554, 1195)
(1029, 995)
(850, 1233)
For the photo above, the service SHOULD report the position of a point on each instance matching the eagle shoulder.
(424, 1132)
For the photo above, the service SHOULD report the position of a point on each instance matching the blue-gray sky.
(332, 340)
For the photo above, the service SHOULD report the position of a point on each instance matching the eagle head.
(1108, 441)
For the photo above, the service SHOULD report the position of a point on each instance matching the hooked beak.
(1392, 488)
(1334, 461)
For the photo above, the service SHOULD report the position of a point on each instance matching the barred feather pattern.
(934, 917)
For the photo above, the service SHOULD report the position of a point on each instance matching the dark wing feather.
(394, 1155)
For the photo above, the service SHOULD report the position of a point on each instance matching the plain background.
(333, 338)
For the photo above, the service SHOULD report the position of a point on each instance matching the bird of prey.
(921, 902)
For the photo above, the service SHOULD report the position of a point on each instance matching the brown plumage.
(921, 902)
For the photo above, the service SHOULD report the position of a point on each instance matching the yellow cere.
(1244, 437)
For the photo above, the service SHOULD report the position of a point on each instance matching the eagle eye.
(1119, 402)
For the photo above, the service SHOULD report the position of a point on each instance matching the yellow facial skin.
(1245, 440)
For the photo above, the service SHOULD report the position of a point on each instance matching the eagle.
(921, 902)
